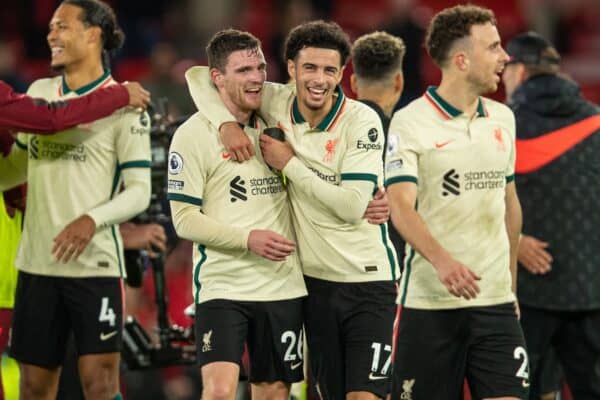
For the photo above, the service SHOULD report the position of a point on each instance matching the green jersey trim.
(127, 164)
(184, 198)
(407, 272)
(510, 178)
(114, 236)
(390, 255)
(329, 119)
(446, 108)
(136, 164)
(202, 250)
(403, 178)
(86, 88)
(359, 177)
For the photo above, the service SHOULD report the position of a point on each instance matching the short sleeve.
(402, 157)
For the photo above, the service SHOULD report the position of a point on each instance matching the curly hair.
(452, 24)
(377, 55)
(225, 42)
(319, 34)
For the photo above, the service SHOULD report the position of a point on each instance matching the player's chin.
(57, 65)
(252, 104)
(315, 104)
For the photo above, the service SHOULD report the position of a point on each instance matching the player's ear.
(461, 60)
(340, 74)
(399, 82)
(354, 84)
(291, 67)
(94, 35)
(216, 77)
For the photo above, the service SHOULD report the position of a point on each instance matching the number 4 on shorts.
(106, 313)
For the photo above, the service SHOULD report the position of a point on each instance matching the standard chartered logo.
(268, 185)
(237, 190)
(451, 185)
(48, 150)
(33, 148)
(482, 180)
(472, 180)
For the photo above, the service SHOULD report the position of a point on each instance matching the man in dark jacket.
(558, 176)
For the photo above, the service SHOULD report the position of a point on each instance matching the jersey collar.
(105, 78)
(446, 109)
(252, 122)
(330, 119)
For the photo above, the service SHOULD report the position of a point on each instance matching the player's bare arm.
(513, 220)
(533, 255)
(73, 239)
(149, 237)
(236, 142)
(270, 245)
(458, 279)
(378, 210)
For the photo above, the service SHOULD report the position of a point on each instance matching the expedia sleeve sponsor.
(133, 141)
(365, 146)
(371, 143)
(140, 125)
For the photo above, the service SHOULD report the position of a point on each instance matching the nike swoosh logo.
(376, 377)
(533, 154)
(225, 156)
(294, 366)
(442, 144)
(106, 336)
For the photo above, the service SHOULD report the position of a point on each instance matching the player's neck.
(385, 99)
(240, 115)
(77, 76)
(315, 116)
(458, 94)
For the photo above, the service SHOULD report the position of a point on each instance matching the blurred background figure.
(8, 68)
(558, 177)
(408, 21)
(163, 80)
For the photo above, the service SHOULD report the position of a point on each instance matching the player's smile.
(317, 72)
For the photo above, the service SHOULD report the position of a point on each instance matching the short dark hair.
(225, 42)
(98, 13)
(320, 34)
(536, 53)
(452, 24)
(377, 55)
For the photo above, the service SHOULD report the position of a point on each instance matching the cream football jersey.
(72, 172)
(461, 165)
(345, 148)
(249, 196)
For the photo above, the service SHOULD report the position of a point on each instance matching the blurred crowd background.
(165, 37)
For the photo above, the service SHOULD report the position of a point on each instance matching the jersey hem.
(251, 298)
(458, 303)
